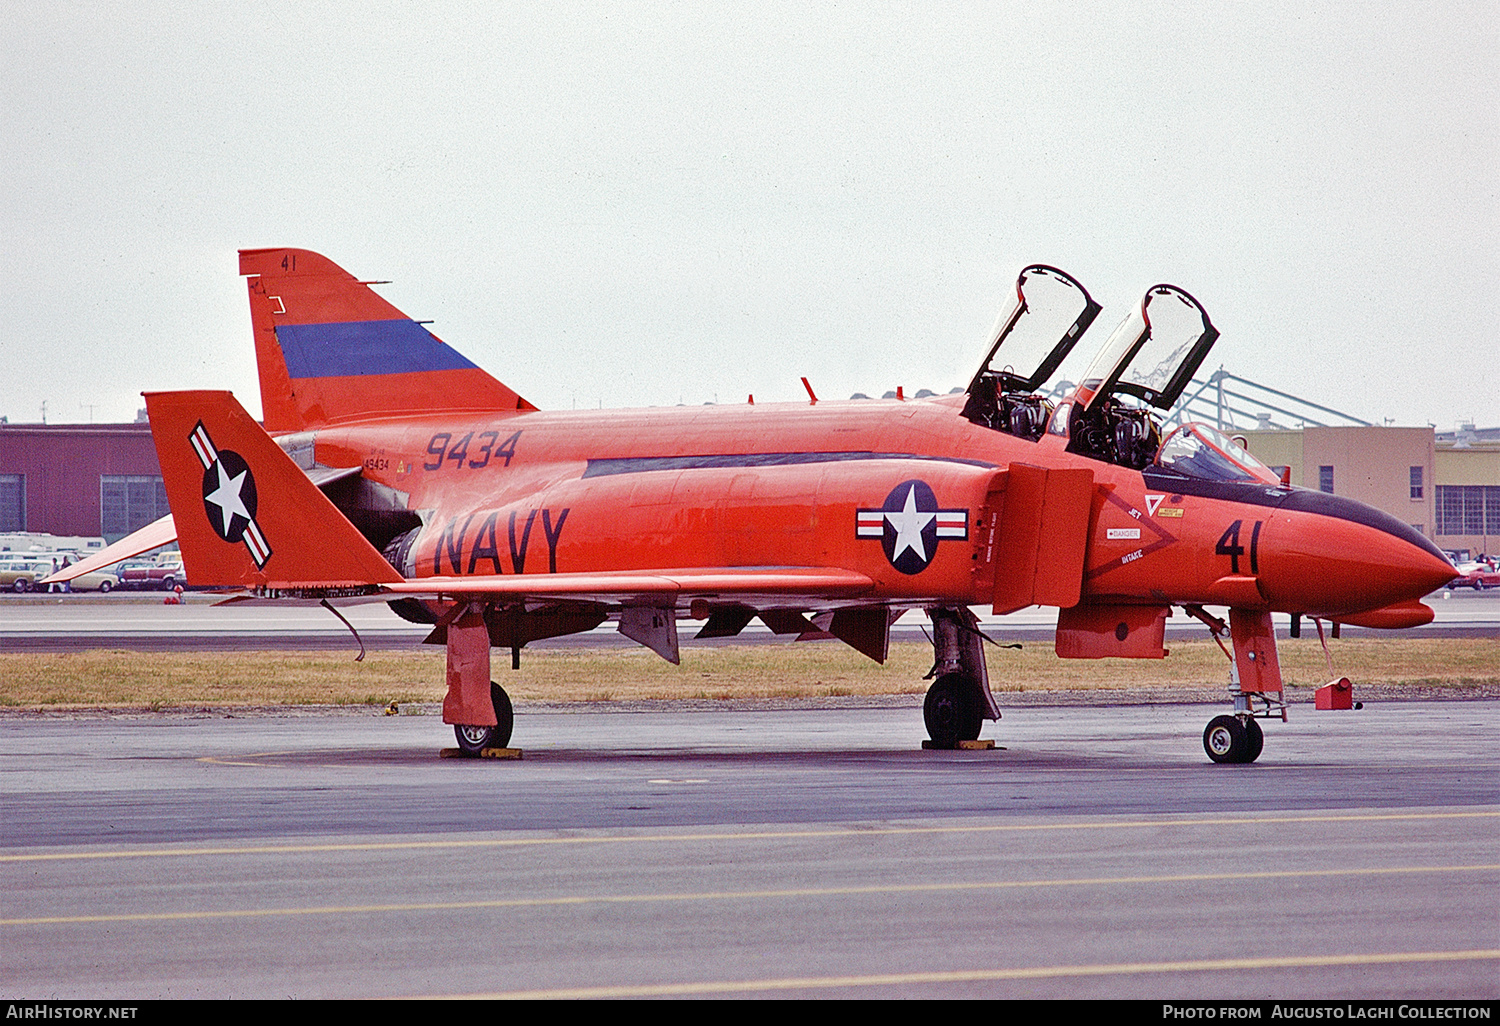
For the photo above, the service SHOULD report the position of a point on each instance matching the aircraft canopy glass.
(1050, 313)
(1205, 453)
(1154, 352)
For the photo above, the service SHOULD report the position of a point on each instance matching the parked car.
(153, 576)
(1478, 575)
(102, 581)
(23, 574)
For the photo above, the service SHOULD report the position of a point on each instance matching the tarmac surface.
(793, 852)
(801, 849)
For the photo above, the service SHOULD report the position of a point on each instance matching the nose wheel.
(1233, 739)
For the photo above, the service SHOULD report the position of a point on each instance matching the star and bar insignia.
(229, 497)
(910, 525)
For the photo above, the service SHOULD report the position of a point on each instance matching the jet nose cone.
(1426, 572)
(1335, 556)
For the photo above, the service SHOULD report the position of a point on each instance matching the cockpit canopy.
(1048, 304)
(1034, 351)
(1154, 352)
(1146, 363)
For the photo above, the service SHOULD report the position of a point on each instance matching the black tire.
(473, 739)
(22, 585)
(104, 587)
(952, 711)
(1255, 739)
(1225, 739)
(167, 582)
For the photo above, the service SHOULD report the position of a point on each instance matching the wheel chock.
(1336, 694)
(484, 753)
(982, 745)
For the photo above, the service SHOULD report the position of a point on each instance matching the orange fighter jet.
(390, 468)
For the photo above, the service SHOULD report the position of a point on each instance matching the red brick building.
(79, 479)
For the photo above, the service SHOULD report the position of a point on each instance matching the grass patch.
(162, 680)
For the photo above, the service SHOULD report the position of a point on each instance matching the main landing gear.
(474, 740)
(959, 700)
(952, 711)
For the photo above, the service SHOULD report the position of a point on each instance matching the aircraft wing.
(152, 536)
(708, 582)
(744, 584)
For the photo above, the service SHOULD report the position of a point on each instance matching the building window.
(1416, 482)
(129, 503)
(12, 502)
(1325, 480)
(1468, 509)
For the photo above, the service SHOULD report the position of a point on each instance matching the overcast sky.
(650, 203)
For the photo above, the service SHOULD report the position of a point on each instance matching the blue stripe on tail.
(353, 348)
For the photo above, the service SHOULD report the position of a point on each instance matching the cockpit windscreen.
(1202, 452)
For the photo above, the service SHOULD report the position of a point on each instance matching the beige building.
(1446, 486)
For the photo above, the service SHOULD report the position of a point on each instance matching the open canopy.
(1029, 330)
(1154, 352)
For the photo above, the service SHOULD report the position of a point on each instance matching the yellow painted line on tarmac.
(762, 835)
(988, 975)
(769, 894)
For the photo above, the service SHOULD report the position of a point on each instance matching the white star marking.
(227, 496)
(909, 524)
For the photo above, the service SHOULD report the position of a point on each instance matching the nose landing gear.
(1254, 684)
(1233, 738)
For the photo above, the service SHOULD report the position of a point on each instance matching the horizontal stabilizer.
(246, 515)
(153, 536)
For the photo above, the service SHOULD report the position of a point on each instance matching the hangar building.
(79, 479)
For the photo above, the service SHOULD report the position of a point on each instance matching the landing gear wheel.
(474, 739)
(1226, 739)
(952, 711)
(1255, 739)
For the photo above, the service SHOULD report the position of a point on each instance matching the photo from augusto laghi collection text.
(1359, 1010)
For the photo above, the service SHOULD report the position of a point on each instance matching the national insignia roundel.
(910, 524)
(229, 496)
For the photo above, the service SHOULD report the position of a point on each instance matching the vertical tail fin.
(330, 349)
(245, 514)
